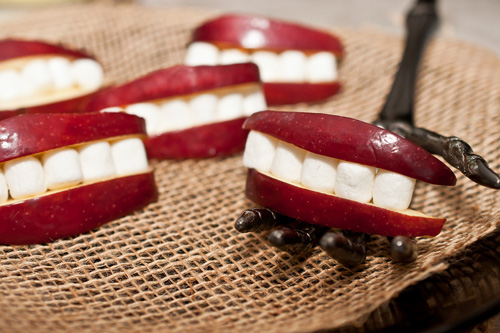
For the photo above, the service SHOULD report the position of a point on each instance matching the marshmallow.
(129, 156)
(268, 65)
(11, 85)
(37, 74)
(62, 168)
(254, 102)
(203, 108)
(233, 56)
(4, 190)
(151, 114)
(174, 115)
(87, 73)
(354, 181)
(259, 151)
(292, 66)
(287, 163)
(96, 161)
(25, 177)
(201, 53)
(392, 190)
(319, 172)
(60, 71)
(230, 106)
(321, 67)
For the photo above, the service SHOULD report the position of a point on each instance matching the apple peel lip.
(339, 172)
(65, 174)
(37, 76)
(190, 111)
(297, 63)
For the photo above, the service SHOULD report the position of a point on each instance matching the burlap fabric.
(179, 265)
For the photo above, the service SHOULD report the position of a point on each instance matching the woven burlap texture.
(179, 265)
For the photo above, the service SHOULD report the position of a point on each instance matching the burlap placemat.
(179, 265)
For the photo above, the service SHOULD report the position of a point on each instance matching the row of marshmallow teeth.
(48, 75)
(65, 167)
(287, 66)
(202, 109)
(325, 174)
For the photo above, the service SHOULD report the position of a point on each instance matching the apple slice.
(339, 172)
(66, 174)
(297, 63)
(37, 77)
(190, 112)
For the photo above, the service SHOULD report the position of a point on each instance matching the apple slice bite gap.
(65, 174)
(38, 77)
(190, 111)
(311, 172)
(297, 63)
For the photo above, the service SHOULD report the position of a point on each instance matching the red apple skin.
(231, 30)
(72, 212)
(175, 81)
(291, 93)
(335, 212)
(211, 140)
(29, 134)
(73, 105)
(18, 48)
(352, 140)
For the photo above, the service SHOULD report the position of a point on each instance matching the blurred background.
(472, 21)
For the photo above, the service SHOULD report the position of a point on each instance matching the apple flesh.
(332, 211)
(253, 33)
(354, 141)
(214, 139)
(14, 53)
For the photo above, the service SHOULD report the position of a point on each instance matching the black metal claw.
(296, 239)
(348, 247)
(259, 219)
(403, 249)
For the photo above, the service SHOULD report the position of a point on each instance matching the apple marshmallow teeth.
(38, 77)
(65, 174)
(190, 112)
(339, 172)
(296, 63)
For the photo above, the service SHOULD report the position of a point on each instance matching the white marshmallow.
(129, 156)
(319, 172)
(87, 73)
(11, 85)
(254, 102)
(392, 190)
(268, 63)
(4, 190)
(287, 163)
(25, 177)
(259, 152)
(150, 112)
(292, 66)
(62, 168)
(60, 71)
(354, 181)
(174, 115)
(96, 161)
(203, 108)
(230, 106)
(233, 56)
(321, 67)
(36, 73)
(201, 53)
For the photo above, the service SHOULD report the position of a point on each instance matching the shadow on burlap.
(179, 265)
